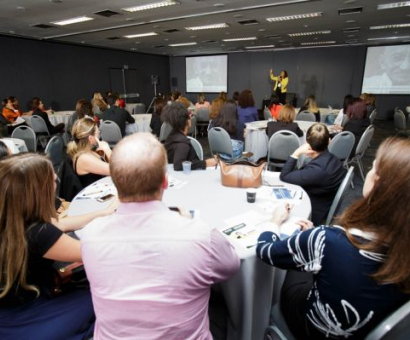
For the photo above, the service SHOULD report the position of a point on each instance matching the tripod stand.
(153, 99)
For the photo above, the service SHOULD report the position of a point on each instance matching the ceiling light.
(72, 21)
(255, 47)
(303, 34)
(382, 27)
(141, 35)
(296, 16)
(150, 6)
(394, 5)
(390, 38)
(240, 39)
(182, 44)
(207, 27)
(318, 43)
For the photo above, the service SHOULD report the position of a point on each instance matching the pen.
(93, 192)
(277, 185)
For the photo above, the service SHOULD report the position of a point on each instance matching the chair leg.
(359, 163)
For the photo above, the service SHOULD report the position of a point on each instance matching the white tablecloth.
(15, 145)
(248, 293)
(256, 139)
(141, 124)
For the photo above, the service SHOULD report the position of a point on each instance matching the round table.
(248, 294)
(142, 122)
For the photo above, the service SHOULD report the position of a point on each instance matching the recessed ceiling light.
(382, 27)
(240, 39)
(138, 42)
(238, 16)
(72, 21)
(183, 44)
(350, 21)
(207, 27)
(141, 35)
(261, 30)
(192, 36)
(394, 5)
(296, 16)
(318, 43)
(390, 38)
(303, 34)
(219, 5)
(150, 6)
(21, 8)
(351, 36)
(256, 47)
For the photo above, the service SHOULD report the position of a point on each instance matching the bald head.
(138, 167)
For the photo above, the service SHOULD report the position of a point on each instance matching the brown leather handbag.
(241, 174)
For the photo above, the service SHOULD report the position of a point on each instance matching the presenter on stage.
(281, 85)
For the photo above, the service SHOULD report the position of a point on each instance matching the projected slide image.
(387, 70)
(207, 74)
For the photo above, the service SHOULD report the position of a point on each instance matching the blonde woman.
(29, 244)
(285, 121)
(311, 106)
(90, 156)
(202, 102)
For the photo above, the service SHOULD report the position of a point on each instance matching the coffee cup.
(251, 195)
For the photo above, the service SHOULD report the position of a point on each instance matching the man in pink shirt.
(151, 269)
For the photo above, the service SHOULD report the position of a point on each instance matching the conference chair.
(373, 116)
(165, 131)
(198, 148)
(220, 142)
(54, 150)
(306, 116)
(281, 145)
(27, 134)
(202, 120)
(394, 327)
(339, 195)
(267, 114)
(192, 130)
(361, 148)
(341, 146)
(400, 122)
(110, 132)
(40, 128)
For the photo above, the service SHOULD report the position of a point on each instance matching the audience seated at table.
(156, 121)
(89, 155)
(223, 95)
(151, 269)
(246, 107)
(202, 102)
(274, 106)
(177, 144)
(117, 114)
(215, 108)
(285, 121)
(83, 109)
(11, 112)
(339, 119)
(37, 107)
(321, 177)
(228, 120)
(311, 106)
(344, 279)
(370, 101)
(98, 103)
(358, 121)
(29, 243)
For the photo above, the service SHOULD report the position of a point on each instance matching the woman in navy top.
(360, 268)
(246, 107)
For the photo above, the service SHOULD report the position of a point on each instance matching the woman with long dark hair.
(37, 107)
(228, 120)
(345, 278)
(246, 107)
(29, 244)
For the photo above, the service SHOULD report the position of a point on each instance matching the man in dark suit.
(321, 177)
(116, 114)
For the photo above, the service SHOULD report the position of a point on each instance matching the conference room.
(177, 69)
